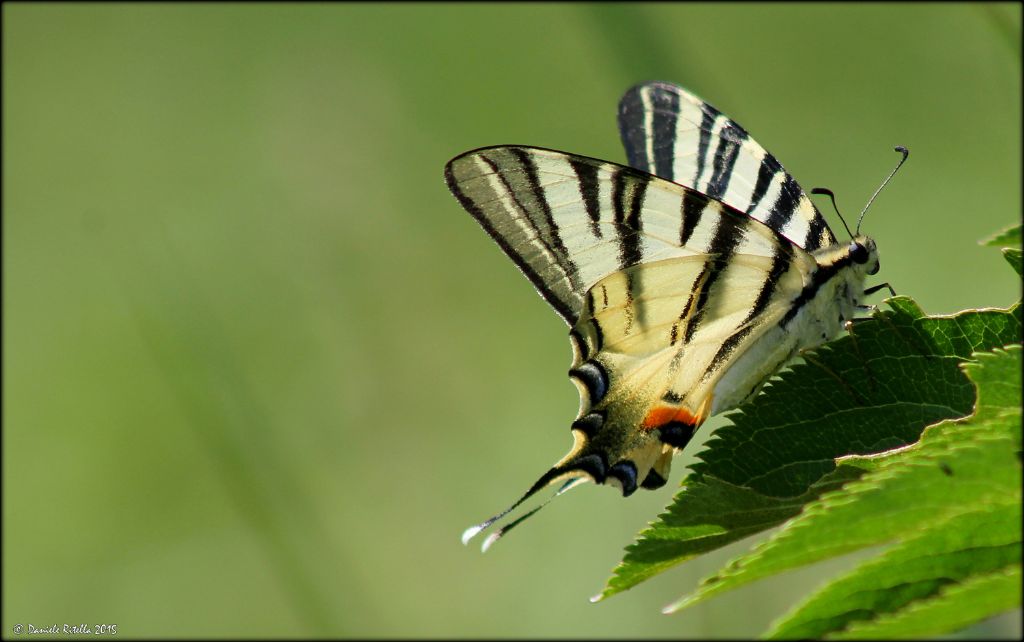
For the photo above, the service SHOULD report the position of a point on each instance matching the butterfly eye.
(858, 253)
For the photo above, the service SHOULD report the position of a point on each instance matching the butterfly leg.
(854, 321)
(871, 309)
(876, 288)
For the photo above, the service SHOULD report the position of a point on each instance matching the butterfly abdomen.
(830, 293)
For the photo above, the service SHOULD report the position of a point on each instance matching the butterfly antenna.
(828, 192)
(901, 149)
(544, 480)
(494, 537)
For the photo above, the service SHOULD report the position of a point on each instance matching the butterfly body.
(686, 279)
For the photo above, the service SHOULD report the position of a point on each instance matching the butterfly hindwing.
(669, 132)
(649, 360)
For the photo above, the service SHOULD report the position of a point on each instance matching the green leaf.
(715, 513)
(973, 543)
(1012, 256)
(951, 502)
(865, 393)
(953, 608)
(1010, 237)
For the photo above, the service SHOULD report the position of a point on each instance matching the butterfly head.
(863, 254)
(861, 251)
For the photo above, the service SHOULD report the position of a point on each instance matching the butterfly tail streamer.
(544, 481)
(494, 537)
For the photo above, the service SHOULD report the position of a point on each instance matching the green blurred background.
(260, 367)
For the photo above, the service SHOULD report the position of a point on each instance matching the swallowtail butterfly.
(686, 278)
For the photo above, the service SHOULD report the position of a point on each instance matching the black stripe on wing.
(728, 235)
(692, 207)
(664, 125)
(785, 205)
(587, 175)
(730, 141)
(550, 230)
(627, 202)
(765, 173)
(554, 299)
(780, 264)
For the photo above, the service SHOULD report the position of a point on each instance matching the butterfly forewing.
(568, 221)
(669, 132)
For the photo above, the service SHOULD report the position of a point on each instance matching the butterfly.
(686, 278)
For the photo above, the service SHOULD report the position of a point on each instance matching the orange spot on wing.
(662, 415)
